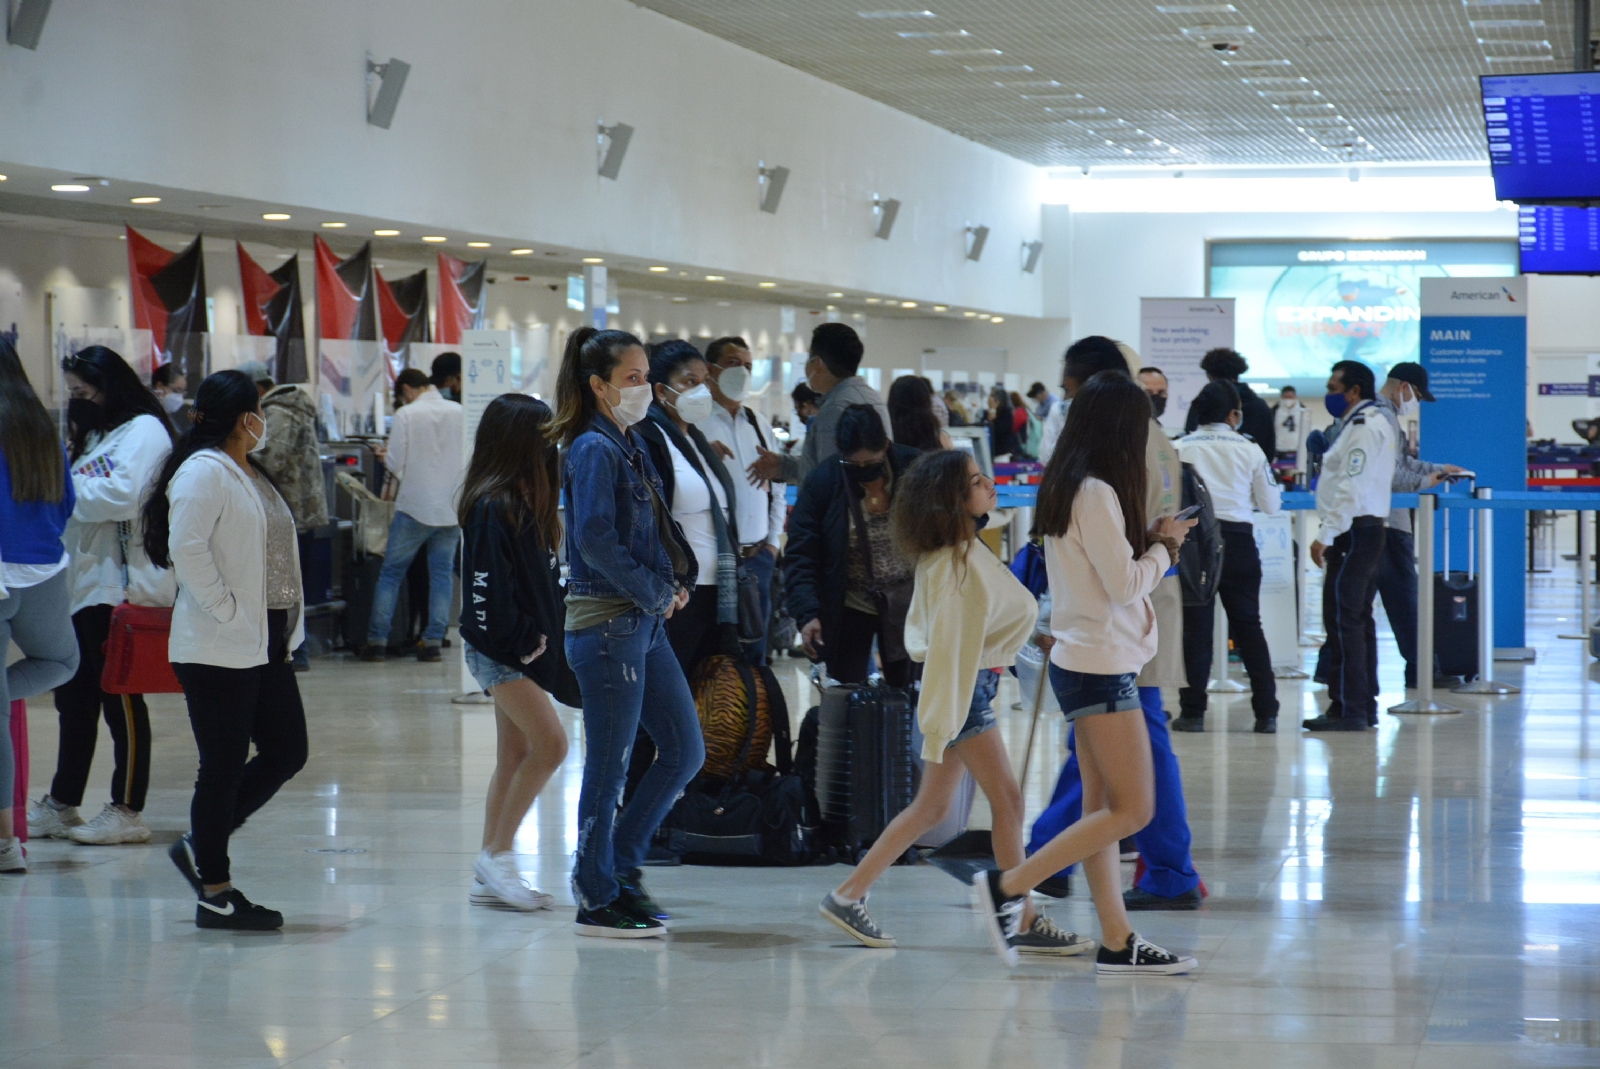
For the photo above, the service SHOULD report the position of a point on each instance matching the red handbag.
(136, 652)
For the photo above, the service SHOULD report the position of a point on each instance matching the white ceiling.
(1096, 82)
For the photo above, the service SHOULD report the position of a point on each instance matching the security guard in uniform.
(1352, 506)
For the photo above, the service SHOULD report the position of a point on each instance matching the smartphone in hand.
(1188, 512)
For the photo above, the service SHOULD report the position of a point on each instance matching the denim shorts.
(1084, 694)
(486, 670)
(980, 714)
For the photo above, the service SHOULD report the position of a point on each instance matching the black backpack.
(1200, 559)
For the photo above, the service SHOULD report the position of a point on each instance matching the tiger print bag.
(725, 691)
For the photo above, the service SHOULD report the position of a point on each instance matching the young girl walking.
(968, 614)
(1103, 562)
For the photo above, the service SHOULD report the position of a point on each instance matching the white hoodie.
(110, 481)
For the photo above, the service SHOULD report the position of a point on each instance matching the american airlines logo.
(1478, 295)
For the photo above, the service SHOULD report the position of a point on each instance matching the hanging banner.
(461, 297)
(403, 316)
(347, 308)
(168, 294)
(1174, 333)
(1475, 349)
(272, 309)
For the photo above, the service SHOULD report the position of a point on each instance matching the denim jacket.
(615, 548)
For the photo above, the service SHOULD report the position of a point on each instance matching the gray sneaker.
(11, 858)
(855, 920)
(49, 820)
(1043, 937)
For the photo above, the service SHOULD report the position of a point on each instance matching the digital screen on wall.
(1302, 306)
(1559, 241)
(1544, 135)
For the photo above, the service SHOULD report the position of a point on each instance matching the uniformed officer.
(1352, 506)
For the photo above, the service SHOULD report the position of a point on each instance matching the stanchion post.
(1485, 683)
(1302, 564)
(1424, 702)
(1220, 683)
(1585, 621)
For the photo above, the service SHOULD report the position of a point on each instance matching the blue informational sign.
(1544, 135)
(1475, 349)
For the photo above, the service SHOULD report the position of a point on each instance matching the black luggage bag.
(865, 771)
(1455, 611)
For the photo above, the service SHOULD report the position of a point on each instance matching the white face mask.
(694, 404)
(632, 403)
(260, 441)
(734, 382)
(172, 402)
(1409, 407)
(1288, 402)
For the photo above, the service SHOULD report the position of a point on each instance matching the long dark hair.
(930, 503)
(27, 437)
(588, 352)
(1105, 435)
(222, 398)
(516, 465)
(911, 413)
(125, 396)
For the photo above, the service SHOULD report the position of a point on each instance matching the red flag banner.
(272, 309)
(403, 315)
(168, 293)
(347, 309)
(460, 297)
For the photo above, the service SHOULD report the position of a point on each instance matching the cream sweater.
(1100, 612)
(969, 612)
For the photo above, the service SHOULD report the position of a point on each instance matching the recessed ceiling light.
(991, 68)
(1256, 63)
(69, 187)
(275, 216)
(716, 278)
(594, 260)
(386, 233)
(1218, 33)
(874, 300)
(941, 308)
(144, 200)
(933, 33)
(659, 270)
(908, 304)
(335, 226)
(767, 285)
(434, 238)
(969, 315)
(478, 245)
(1196, 9)
(897, 14)
(833, 308)
(2, 178)
(997, 319)
(521, 252)
(965, 52)
(679, 300)
(836, 294)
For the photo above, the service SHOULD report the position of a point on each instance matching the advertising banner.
(1174, 333)
(272, 309)
(1475, 349)
(461, 297)
(168, 293)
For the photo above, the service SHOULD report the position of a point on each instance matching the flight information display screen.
(1544, 135)
(1559, 241)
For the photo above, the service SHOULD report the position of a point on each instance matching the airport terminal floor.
(1423, 896)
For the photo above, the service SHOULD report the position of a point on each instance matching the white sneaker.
(46, 820)
(503, 883)
(112, 825)
(11, 859)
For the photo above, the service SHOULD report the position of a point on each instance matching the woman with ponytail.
(220, 524)
(630, 569)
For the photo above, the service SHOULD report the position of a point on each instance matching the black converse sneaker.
(1043, 936)
(855, 920)
(1001, 913)
(232, 910)
(1140, 956)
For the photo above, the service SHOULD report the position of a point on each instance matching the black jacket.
(1257, 424)
(511, 596)
(816, 557)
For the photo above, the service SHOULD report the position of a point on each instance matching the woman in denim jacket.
(630, 569)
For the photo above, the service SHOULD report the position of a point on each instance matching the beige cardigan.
(969, 612)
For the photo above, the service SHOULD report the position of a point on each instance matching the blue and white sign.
(1475, 348)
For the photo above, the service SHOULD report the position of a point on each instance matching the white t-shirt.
(691, 507)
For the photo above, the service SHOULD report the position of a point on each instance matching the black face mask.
(84, 415)
(1158, 401)
(865, 473)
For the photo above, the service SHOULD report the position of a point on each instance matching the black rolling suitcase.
(865, 769)
(1455, 612)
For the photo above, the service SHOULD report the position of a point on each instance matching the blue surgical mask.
(1337, 404)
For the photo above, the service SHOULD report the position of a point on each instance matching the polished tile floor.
(1424, 896)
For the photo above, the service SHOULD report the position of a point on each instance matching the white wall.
(495, 136)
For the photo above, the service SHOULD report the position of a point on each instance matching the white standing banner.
(1279, 614)
(1174, 333)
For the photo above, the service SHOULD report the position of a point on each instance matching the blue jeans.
(406, 538)
(630, 678)
(763, 564)
(1164, 842)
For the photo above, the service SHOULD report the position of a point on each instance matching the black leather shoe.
(1337, 723)
(1266, 726)
(1188, 723)
(1136, 899)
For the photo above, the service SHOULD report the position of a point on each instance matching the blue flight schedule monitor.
(1544, 135)
(1559, 241)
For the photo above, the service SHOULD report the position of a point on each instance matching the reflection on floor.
(1422, 896)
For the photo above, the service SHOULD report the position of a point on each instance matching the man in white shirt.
(1287, 417)
(742, 436)
(424, 455)
(1352, 506)
(1236, 475)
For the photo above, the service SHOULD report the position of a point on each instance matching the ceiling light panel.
(1131, 58)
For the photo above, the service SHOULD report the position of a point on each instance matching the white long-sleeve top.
(967, 612)
(1100, 613)
(425, 455)
(760, 513)
(1357, 471)
(1235, 471)
(110, 480)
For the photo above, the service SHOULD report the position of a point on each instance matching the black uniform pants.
(1239, 587)
(1349, 583)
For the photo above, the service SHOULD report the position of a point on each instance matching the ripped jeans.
(629, 677)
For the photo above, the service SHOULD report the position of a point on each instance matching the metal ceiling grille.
(1098, 82)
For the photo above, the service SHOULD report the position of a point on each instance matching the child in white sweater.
(968, 615)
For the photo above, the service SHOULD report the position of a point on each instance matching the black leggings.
(229, 708)
(80, 706)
